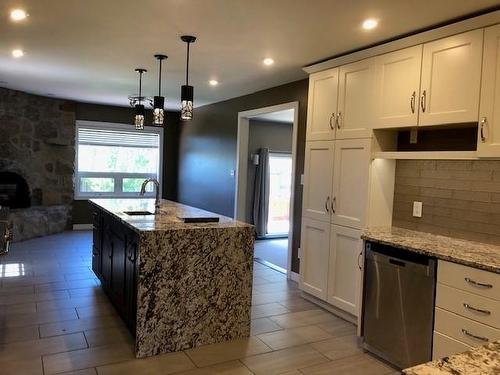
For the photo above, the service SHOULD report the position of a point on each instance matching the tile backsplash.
(461, 198)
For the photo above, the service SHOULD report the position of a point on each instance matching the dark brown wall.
(123, 115)
(207, 152)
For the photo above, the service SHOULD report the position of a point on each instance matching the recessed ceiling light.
(213, 82)
(17, 15)
(17, 53)
(370, 24)
(268, 61)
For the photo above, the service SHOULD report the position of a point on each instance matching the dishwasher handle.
(401, 259)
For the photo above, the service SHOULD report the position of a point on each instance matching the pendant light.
(139, 107)
(159, 101)
(187, 92)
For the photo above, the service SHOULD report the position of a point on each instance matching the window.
(113, 160)
(280, 187)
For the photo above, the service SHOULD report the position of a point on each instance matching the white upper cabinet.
(397, 87)
(322, 105)
(318, 175)
(355, 109)
(344, 274)
(489, 113)
(315, 248)
(350, 182)
(451, 78)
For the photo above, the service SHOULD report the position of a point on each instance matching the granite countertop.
(478, 361)
(167, 219)
(470, 253)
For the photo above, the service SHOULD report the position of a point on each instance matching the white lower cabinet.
(314, 257)
(344, 271)
(467, 312)
(330, 264)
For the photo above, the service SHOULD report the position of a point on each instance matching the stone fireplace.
(37, 154)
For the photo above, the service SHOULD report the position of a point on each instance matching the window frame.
(118, 177)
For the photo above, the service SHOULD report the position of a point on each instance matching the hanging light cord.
(159, 81)
(187, 64)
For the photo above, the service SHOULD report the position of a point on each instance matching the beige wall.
(460, 198)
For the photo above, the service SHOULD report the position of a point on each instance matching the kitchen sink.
(138, 213)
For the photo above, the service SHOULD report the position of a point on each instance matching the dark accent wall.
(123, 115)
(276, 136)
(207, 152)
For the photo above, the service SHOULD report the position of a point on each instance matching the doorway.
(265, 176)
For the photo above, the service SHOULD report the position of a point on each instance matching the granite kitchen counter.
(478, 361)
(469, 253)
(176, 285)
(166, 219)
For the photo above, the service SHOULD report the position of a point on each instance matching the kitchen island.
(176, 285)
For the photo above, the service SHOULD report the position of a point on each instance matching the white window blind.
(113, 160)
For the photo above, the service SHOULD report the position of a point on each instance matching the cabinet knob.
(339, 119)
(412, 101)
(477, 284)
(332, 117)
(423, 99)
(327, 204)
(480, 338)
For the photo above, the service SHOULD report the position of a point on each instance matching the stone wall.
(37, 141)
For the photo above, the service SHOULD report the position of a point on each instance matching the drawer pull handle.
(480, 285)
(467, 333)
(469, 307)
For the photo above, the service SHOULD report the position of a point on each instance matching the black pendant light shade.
(187, 91)
(139, 107)
(159, 101)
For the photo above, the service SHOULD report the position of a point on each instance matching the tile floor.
(54, 319)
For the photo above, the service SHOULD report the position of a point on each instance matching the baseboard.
(294, 276)
(82, 226)
(334, 310)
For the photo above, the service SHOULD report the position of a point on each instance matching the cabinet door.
(350, 182)
(344, 271)
(355, 116)
(451, 78)
(314, 257)
(97, 243)
(489, 116)
(131, 281)
(318, 175)
(397, 85)
(322, 105)
(106, 255)
(118, 268)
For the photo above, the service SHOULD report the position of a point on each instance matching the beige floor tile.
(294, 336)
(15, 334)
(104, 309)
(338, 327)
(26, 298)
(88, 371)
(158, 365)
(107, 336)
(79, 325)
(339, 347)
(298, 304)
(268, 309)
(303, 318)
(19, 308)
(284, 360)
(26, 319)
(8, 291)
(71, 303)
(293, 372)
(37, 348)
(227, 351)
(31, 366)
(82, 359)
(362, 364)
(263, 325)
(227, 368)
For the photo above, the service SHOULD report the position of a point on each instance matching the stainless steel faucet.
(157, 184)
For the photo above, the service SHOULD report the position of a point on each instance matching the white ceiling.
(87, 50)
(285, 116)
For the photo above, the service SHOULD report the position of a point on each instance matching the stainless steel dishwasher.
(398, 312)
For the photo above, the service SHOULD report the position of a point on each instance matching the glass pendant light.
(159, 101)
(187, 92)
(139, 107)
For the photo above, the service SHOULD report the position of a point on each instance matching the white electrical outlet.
(417, 209)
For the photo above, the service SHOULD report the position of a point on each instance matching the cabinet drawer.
(472, 306)
(465, 330)
(444, 346)
(470, 279)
